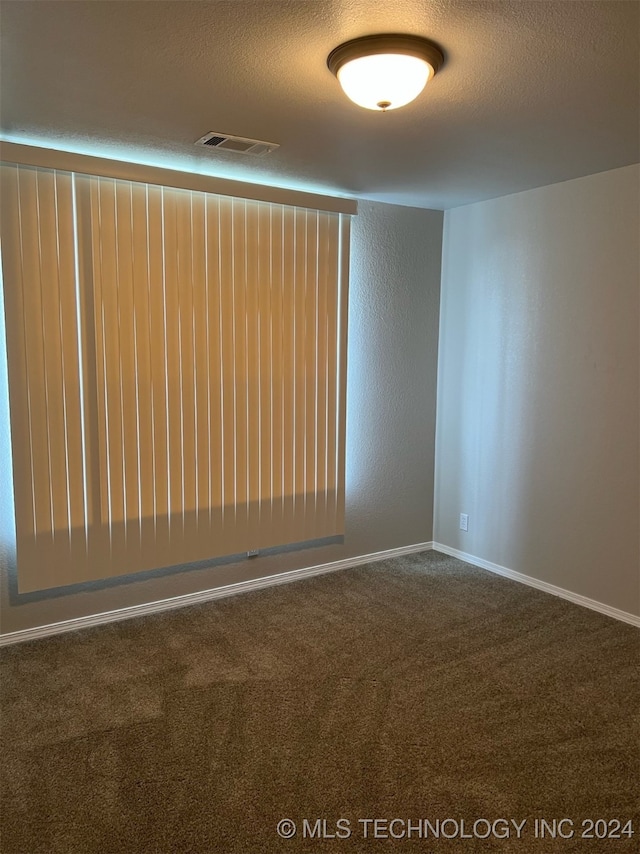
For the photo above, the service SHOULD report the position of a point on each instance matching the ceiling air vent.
(239, 144)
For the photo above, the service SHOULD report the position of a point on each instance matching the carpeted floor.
(411, 689)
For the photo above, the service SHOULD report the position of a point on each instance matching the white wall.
(391, 395)
(538, 385)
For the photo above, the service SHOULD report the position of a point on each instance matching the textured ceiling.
(531, 92)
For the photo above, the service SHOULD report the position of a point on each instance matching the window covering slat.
(142, 361)
(156, 288)
(18, 367)
(341, 286)
(202, 366)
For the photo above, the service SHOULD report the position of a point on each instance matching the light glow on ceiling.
(192, 165)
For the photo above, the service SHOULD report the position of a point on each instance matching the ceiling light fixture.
(384, 72)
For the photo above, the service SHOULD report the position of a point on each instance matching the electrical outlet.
(253, 553)
(464, 522)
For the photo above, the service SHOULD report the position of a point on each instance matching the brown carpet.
(415, 688)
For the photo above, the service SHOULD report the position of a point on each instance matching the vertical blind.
(176, 373)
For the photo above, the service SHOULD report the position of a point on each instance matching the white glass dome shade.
(385, 72)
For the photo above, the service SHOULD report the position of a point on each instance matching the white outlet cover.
(464, 522)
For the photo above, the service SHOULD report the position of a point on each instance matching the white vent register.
(238, 144)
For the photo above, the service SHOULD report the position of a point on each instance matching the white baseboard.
(203, 596)
(294, 575)
(576, 598)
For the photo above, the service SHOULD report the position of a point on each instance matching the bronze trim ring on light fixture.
(386, 43)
